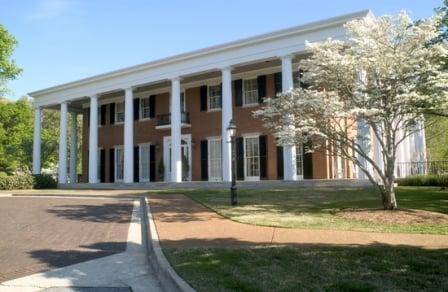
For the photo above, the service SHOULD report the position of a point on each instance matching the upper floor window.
(250, 91)
(119, 112)
(214, 97)
(145, 112)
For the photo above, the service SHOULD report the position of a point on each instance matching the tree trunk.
(388, 196)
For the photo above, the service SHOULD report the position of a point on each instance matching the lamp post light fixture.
(231, 132)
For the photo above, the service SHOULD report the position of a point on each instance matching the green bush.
(424, 180)
(16, 182)
(44, 181)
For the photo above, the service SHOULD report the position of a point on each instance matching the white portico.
(270, 52)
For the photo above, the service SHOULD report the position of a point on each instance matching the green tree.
(8, 68)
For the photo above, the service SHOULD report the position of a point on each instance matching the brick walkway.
(181, 222)
(39, 234)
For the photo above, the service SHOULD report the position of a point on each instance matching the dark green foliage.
(431, 180)
(16, 182)
(44, 181)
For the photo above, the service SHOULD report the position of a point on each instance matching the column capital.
(227, 68)
(177, 78)
(286, 57)
(94, 96)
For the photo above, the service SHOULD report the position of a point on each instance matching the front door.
(185, 157)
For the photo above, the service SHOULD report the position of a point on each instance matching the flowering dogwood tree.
(375, 86)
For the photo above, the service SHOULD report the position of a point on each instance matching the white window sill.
(211, 110)
(119, 123)
(251, 105)
(144, 120)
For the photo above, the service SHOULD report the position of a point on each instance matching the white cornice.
(165, 65)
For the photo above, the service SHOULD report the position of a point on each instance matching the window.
(99, 116)
(299, 160)
(119, 163)
(144, 108)
(119, 112)
(98, 173)
(144, 162)
(182, 102)
(214, 97)
(214, 159)
(250, 91)
(252, 157)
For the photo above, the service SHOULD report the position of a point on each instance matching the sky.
(66, 40)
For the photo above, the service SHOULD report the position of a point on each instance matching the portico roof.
(245, 51)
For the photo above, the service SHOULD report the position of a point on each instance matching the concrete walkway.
(181, 222)
(120, 272)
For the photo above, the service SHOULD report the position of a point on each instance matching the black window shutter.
(88, 118)
(136, 164)
(307, 162)
(238, 84)
(152, 162)
(111, 165)
(220, 99)
(102, 165)
(136, 109)
(280, 162)
(203, 91)
(263, 157)
(112, 113)
(240, 158)
(278, 82)
(261, 83)
(204, 160)
(103, 115)
(152, 106)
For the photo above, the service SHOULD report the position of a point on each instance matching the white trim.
(244, 92)
(208, 98)
(140, 109)
(166, 142)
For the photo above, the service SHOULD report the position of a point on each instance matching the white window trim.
(209, 139)
(246, 177)
(140, 179)
(244, 93)
(208, 99)
(116, 113)
(116, 162)
(140, 109)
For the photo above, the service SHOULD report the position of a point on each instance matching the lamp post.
(231, 131)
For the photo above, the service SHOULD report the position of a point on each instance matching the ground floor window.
(119, 163)
(299, 160)
(214, 159)
(144, 162)
(252, 157)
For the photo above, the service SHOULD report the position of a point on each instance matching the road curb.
(168, 278)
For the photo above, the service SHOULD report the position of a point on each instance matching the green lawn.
(316, 268)
(317, 208)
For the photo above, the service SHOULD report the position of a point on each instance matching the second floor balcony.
(164, 120)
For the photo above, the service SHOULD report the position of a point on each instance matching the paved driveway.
(41, 234)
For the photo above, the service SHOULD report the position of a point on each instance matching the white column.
(226, 117)
(289, 151)
(62, 174)
(74, 148)
(176, 159)
(93, 140)
(128, 176)
(37, 141)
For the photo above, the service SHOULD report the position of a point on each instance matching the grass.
(317, 208)
(315, 268)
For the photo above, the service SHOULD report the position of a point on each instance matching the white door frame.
(166, 153)
(140, 179)
(219, 139)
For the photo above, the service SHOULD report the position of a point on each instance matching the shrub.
(16, 182)
(424, 180)
(44, 181)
